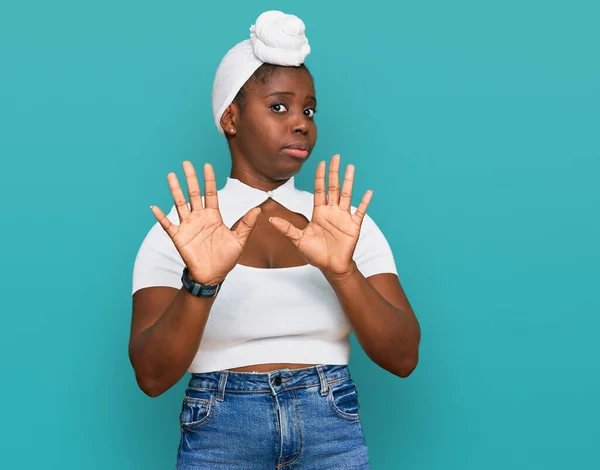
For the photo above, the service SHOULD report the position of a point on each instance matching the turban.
(276, 38)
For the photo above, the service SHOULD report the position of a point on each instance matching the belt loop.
(323, 379)
(222, 382)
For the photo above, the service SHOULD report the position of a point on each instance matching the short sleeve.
(373, 254)
(158, 262)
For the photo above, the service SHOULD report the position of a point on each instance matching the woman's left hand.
(329, 239)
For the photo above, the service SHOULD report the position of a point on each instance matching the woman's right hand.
(207, 246)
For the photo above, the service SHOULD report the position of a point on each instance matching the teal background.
(476, 124)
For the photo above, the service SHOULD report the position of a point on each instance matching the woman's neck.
(253, 178)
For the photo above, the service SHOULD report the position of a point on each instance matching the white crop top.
(289, 315)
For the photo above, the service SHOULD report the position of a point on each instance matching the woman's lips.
(296, 152)
(298, 149)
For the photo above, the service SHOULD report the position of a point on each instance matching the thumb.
(244, 228)
(287, 229)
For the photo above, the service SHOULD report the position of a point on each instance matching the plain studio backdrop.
(475, 123)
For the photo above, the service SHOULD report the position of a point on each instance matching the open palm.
(329, 240)
(207, 246)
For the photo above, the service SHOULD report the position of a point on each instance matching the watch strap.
(198, 289)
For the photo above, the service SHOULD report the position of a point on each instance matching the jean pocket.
(343, 399)
(197, 409)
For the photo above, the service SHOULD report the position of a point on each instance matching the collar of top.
(242, 190)
(237, 198)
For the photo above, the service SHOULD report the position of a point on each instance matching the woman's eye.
(278, 107)
(310, 112)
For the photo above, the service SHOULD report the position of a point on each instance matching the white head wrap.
(276, 38)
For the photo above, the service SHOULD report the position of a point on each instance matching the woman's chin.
(288, 167)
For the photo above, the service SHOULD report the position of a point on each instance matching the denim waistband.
(230, 381)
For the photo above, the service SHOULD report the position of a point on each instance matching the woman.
(255, 288)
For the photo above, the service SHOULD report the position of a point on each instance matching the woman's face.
(275, 130)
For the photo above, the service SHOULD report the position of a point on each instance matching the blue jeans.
(283, 419)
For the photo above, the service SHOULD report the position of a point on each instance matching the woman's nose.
(300, 126)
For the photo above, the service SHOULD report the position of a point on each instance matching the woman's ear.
(228, 119)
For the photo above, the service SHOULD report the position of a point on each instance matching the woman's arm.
(168, 323)
(166, 329)
(383, 320)
(381, 317)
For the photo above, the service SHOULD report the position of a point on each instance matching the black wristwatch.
(197, 289)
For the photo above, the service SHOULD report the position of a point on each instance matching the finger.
(178, 197)
(359, 213)
(244, 228)
(334, 181)
(211, 200)
(320, 193)
(287, 229)
(164, 221)
(346, 196)
(193, 186)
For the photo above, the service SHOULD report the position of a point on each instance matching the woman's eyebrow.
(280, 93)
(288, 93)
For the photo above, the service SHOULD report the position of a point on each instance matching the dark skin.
(274, 115)
(256, 134)
(167, 323)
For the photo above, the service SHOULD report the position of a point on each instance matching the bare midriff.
(269, 367)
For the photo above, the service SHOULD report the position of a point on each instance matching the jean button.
(277, 381)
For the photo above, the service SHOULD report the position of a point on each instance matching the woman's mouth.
(297, 150)
(296, 153)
